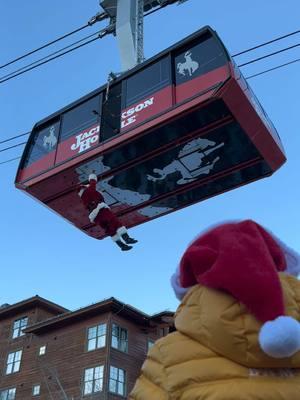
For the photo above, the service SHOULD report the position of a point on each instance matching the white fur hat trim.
(291, 256)
(179, 291)
(93, 177)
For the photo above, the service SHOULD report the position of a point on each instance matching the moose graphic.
(194, 159)
(50, 141)
(189, 66)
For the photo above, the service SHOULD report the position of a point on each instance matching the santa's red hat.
(243, 259)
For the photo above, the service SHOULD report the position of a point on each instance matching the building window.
(117, 381)
(93, 380)
(36, 390)
(13, 362)
(119, 339)
(8, 394)
(18, 327)
(150, 343)
(96, 337)
(42, 351)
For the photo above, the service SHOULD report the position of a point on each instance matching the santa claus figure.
(101, 214)
(237, 327)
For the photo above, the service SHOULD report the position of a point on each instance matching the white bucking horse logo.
(189, 65)
(50, 141)
(194, 159)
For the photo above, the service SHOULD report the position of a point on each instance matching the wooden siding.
(67, 357)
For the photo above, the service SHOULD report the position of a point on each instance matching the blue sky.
(42, 254)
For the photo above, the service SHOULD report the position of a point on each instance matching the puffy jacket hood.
(222, 324)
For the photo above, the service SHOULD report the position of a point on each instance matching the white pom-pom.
(280, 338)
(93, 177)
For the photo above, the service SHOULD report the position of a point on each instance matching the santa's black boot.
(123, 246)
(127, 239)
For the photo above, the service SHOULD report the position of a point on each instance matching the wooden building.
(50, 353)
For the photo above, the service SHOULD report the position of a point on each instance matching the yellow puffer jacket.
(215, 355)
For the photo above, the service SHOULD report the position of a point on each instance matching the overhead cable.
(10, 160)
(269, 55)
(249, 49)
(46, 61)
(12, 147)
(266, 43)
(100, 35)
(272, 69)
(49, 55)
(14, 137)
(44, 46)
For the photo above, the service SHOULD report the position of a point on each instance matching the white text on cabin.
(85, 139)
(129, 116)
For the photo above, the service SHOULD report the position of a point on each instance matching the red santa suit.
(100, 212)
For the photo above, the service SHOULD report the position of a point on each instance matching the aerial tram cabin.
(177, 129)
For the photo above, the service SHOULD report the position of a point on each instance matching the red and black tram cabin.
(180, 128)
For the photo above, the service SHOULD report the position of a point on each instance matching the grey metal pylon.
(127, 16)
(127, 22)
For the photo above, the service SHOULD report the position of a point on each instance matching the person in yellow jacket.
(237, 328)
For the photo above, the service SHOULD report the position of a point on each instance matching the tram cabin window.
(149, 80)
(81, 117)
(43, 144)
(194, 60)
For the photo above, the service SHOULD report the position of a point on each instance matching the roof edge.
(111, 304)
(32, 301)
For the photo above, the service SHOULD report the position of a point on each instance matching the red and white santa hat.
(243, 259)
